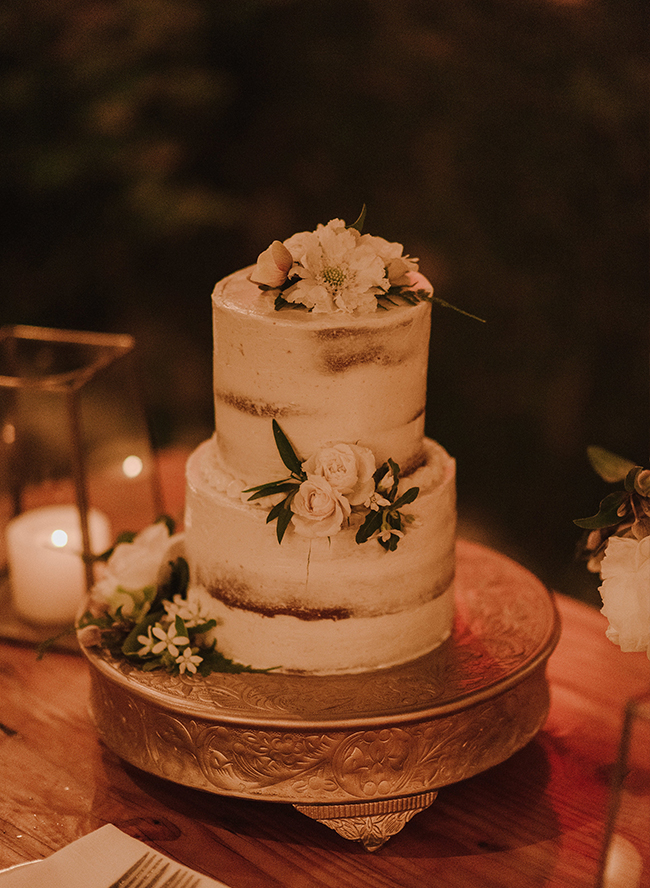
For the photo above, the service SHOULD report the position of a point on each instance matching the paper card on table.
(94, 861)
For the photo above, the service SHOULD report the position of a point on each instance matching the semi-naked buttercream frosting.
(318, 516)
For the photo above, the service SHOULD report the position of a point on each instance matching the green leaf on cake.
(371, 525)
(284, 518)
(271, 488)
(406, 498)
(360, 221)
(286, 451)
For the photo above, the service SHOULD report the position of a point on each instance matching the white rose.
(348, 468)
(625, 591)
(133, 567)
(318, 509)
(272, 266)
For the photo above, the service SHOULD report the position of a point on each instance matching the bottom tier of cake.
(327, 605)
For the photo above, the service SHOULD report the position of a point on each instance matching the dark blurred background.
(149, 147)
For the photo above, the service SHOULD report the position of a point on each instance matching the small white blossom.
(188, 660)
(386, 533)
(195, 609)
(376, 502)
(147, 643)
(168, 640)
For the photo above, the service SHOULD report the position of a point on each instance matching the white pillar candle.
(46, 570)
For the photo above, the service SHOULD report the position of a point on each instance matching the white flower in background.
(348, 468)
(318, 509)
(272, 266)
(335, 270)
(625, 591)
(132, 569)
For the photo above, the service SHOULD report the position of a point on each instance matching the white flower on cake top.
(335, 268)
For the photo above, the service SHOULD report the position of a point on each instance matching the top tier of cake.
(325, 378)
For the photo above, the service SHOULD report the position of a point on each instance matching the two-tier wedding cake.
(318, 516)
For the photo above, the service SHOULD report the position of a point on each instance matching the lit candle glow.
(44, 548)
(132, 466)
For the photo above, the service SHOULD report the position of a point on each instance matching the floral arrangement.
(143, 608)
(337, 268)
(321, 493)
(618, 547)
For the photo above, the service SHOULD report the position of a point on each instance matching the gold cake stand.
(361, 753)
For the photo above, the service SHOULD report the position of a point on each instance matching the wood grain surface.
(535, 820)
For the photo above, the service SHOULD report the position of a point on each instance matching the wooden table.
(537, 819)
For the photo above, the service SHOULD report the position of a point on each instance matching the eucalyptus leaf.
(611, 467)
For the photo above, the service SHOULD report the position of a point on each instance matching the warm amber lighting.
(9, 433)
(132, 466)
(59, 538)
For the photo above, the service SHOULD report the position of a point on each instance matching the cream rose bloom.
(348, 468)
(272, 266)
(132, 568)
(318, 509)
(625, 591)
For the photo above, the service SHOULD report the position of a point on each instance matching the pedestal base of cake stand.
(364, 753)
(371, 823)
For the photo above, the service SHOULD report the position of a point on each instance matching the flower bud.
(272, 266)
